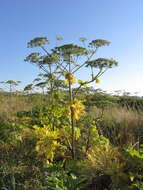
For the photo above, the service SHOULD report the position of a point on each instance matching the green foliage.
(121, 126)
(102, 159)
(72, 138)
(101, 100)
(48, 142)
(90, 136)
(131, 102)
(61, 179)
(23, 147)
(19, 165)
(41, 115)
(65, 61)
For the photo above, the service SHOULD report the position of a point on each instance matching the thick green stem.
(72, 118)
(51, 85)
(72, 123)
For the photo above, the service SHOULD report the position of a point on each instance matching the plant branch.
(93, 78)
(88, 58)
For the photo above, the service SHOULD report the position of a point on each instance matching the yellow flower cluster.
(97, 80)
(77, 109)
(70, 78)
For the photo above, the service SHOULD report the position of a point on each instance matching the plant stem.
(72, 116)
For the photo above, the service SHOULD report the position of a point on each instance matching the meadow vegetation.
(68, 135)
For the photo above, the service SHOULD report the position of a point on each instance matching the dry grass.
(123, 127)
(9, 106)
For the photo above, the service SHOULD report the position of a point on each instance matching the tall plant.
(11, 84)
(65, 61)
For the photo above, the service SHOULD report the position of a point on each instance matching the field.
(71, 95)
(36, 143)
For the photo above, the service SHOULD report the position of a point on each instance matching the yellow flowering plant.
(47, 142)
(78, 109)
(97, 80)
(65, 61)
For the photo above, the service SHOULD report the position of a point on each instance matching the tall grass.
(122, 126)
(10, 105)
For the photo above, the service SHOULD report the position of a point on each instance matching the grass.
(122, 126)
(9, 106)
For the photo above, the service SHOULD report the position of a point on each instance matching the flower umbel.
(70, 79)
(97, 80)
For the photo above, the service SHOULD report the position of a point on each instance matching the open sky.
(119, 21)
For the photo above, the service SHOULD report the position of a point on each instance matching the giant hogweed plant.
(64, 62)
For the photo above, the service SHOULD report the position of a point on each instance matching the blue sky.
(119, 21)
